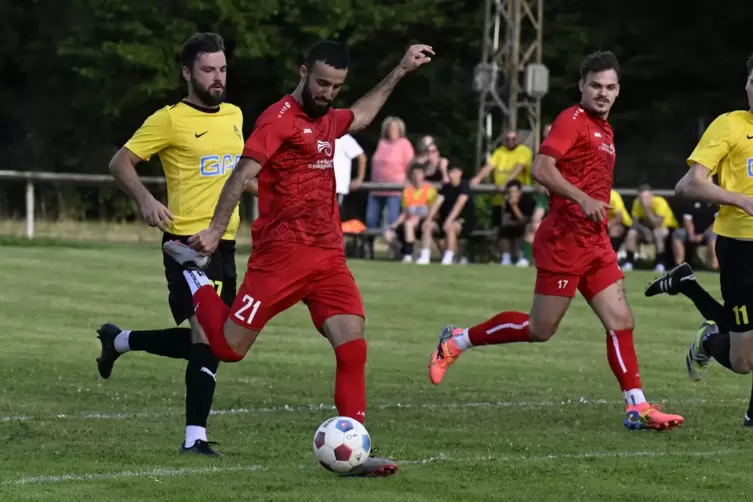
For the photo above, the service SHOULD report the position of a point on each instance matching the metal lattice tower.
(513, 33)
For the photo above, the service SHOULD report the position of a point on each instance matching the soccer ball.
(341, 443)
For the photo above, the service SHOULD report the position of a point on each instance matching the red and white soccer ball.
(341, 443)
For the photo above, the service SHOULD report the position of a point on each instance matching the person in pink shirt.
(389, 164)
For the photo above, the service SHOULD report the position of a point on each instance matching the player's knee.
(741, 362)
(541, 331)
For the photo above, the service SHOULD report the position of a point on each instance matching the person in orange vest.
(416, 200)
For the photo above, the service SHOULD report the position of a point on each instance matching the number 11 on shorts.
(248, 303)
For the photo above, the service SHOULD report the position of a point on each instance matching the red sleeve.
(268, 135)
(343, 118)
(563, 135)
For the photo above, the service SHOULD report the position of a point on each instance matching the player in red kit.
(572, 250)
(298, 251)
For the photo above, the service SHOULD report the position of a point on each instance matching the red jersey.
(583, 147)
(297, 201)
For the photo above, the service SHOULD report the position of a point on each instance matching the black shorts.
(221, 271)
(512, 231)
(736, 281)
(466, 228)
(496, 217)
(400, 231)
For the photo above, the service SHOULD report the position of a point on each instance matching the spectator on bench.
(417, 199)
(619, 220)
(653, 220)
(451, 217)
(697, 228)
(516, 214)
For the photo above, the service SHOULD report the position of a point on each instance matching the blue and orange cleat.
(649, 416)
(445, 355)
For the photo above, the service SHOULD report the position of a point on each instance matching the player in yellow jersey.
(725, 150)
(619, 220)
(198, 141)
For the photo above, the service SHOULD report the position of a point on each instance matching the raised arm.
(366, 108)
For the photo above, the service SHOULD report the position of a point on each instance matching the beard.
(311, 107)
(208, 96)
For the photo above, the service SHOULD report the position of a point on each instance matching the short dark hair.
(514, 183)
(330, 53)
(417, 166)
(645, 187)
(599, 61)
(750, 65)
(200, 43)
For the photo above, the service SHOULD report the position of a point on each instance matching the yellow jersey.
(726, 149)
(504, 161)
(417, 201)
(660, 207)
(618, 206)
(198, 149)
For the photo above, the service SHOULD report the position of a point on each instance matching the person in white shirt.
(347, 149)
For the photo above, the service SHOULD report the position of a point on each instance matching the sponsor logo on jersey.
(324, 147)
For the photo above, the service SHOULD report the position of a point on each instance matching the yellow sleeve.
(432, 196)
(496, 157)
(714, 144)
(526, 157)
(153, 136)
(637, 210)
(404, 201)
(661, 207)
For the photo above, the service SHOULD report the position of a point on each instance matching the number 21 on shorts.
(243, 313)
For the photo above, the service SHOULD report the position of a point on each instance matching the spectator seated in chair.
(697, 229)
(452, 217)
(516, 215)
(653, 220)
(417, 199)
(619, 221)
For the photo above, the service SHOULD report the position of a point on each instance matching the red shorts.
(287, 273)
(562, 269)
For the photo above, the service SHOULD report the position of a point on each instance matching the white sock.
(195, 280)
(448, 256)
(462, 341)
(425, 254)
(194, 433)
(121, 342)
(634, 396)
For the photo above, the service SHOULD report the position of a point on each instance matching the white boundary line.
(328, 407)
(180, 472)
(154, 473)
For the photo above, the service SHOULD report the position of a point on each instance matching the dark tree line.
(78, 76)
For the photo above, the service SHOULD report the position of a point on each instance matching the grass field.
(519, 422)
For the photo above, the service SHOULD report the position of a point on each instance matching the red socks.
(350, 382)
(506, 327)
(622, 358)
(212, 315)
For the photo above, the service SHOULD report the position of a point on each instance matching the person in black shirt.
(516, 214)
(697, 228)
(451, 217)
